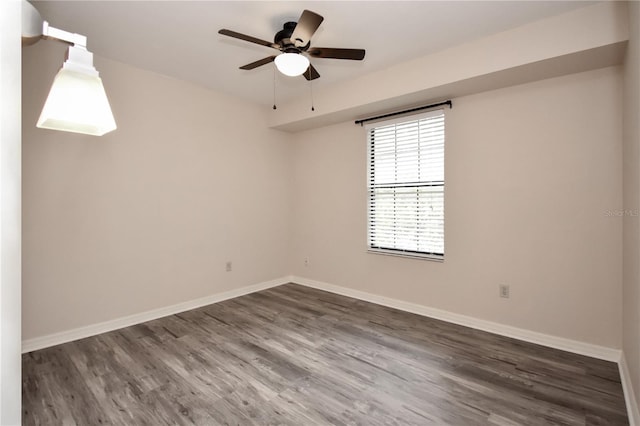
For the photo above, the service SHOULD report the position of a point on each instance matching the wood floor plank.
(293, 355)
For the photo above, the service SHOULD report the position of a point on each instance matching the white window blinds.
(406, 185)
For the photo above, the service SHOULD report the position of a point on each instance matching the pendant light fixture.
(77, 101)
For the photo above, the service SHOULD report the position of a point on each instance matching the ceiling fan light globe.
(292, 64)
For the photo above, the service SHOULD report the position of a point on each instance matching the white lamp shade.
(292, 64)
(77, 103)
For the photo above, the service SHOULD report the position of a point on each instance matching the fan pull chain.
(311, 89)
(274, 87)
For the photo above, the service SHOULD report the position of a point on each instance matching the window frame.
(406, 253)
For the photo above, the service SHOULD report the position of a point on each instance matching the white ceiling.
(180, 39)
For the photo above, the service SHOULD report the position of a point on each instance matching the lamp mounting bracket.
(35, 28)
(77, 40)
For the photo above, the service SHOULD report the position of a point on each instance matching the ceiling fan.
(294, 43)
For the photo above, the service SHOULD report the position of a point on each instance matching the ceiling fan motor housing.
(283, 38)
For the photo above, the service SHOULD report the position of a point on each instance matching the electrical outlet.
(306, 261)
(504, 291)
(229, 267)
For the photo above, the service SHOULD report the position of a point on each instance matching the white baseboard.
(103, 327)
(574, 346)
(556, 342)
(629, 394)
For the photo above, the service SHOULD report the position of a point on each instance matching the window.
(406, 186)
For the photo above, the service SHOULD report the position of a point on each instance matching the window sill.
(410, 255)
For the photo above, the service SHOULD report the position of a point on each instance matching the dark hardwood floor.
(297, 356)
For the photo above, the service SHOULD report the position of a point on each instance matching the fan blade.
(248, 38)
(257, 64)
(311, 73)
(307, 25)
(329, 52)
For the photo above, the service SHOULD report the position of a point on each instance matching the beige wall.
(10, 359)
(531, 172)
(146, 216)
(631, 242)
